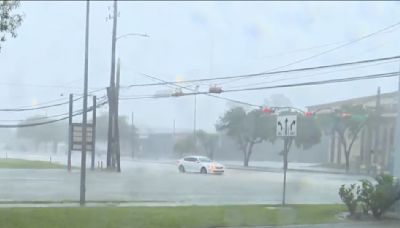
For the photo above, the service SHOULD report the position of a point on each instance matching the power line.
(210, 95)
(330, 50)
(268, 73)
(47, 122)
(36, 108)
(30, 108)
(43, 117)
(312, 75)
(330, 81)
(304, 49)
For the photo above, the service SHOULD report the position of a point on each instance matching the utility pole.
(396, 152)
(377, 146)
(173, 129)
(71, 100)
(116, 124)
(93, 133)
(132, 137)
(111, 91)
(194, 115)
(84, 118)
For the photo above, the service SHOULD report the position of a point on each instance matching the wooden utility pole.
(116, 124)
(111, 92)
(133, 137)
(93, 133)
(71, 100)
(84, 118)
(377, 141)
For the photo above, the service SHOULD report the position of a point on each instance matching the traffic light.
(309, 114)
(215, 89)
(267, 110)
(178, 92)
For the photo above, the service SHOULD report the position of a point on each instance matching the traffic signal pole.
(285, 162)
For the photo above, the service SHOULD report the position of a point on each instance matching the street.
(161, 183)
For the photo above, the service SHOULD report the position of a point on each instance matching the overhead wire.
(329, 81)
(210, 95)
(329, 50)
(312, 75)
(320, 67)
(49, 121)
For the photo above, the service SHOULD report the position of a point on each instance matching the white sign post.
(286, 127)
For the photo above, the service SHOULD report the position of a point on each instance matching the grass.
(168, 217)
(11, 163)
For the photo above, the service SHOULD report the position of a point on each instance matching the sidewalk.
(383, 224)
(279, 170)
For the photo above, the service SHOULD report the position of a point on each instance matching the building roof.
(358, 100)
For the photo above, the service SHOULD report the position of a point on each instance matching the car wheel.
(203, 170)
(181, 169)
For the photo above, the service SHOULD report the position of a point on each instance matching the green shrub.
(364, 193)
(348, 197)
(386, 193)
(376, 198)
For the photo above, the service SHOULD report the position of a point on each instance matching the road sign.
(286, 125)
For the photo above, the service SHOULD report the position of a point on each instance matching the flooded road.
(152, 182)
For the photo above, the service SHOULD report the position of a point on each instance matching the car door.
(187, 164)
(196, 165)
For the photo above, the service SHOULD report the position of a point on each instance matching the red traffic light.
(267, 110)
(308, 114)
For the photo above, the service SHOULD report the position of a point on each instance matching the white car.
(199, 164)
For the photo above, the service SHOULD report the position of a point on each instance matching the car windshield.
(205, 160)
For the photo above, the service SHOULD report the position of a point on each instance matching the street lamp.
(133, 34)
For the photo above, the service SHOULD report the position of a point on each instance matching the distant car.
(199, 164)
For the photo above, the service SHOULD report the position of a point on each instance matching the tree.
(208, 142)
(53, 132)
(185, 145)
(347, 122)
(308, 132)
(247, 129)
(125, 131)
(127, 134)
(9, 21)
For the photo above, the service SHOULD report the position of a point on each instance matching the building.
(373, 148)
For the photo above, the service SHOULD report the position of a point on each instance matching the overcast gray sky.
(190, 40)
